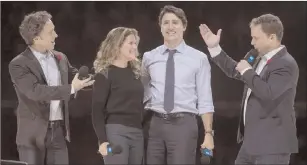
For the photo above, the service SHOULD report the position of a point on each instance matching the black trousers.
(55, 151)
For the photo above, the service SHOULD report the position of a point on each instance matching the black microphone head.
(83, 72)
(116, 149)
(205, 159)
(251, 56)
(254, 52)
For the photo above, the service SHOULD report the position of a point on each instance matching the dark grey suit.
(34, 96)
(269, 134)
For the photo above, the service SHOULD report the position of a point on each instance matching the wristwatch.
(210, 132)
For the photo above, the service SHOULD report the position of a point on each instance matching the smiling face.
(128, 50)
(46, 38)
(172, 28)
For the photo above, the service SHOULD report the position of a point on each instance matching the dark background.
(81, 27)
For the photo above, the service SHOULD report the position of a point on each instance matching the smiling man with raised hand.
(177, 81)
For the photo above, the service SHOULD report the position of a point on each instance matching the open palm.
(210, 39)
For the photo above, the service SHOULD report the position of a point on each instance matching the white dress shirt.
(217, 50)
(192, 80)
(53, 78)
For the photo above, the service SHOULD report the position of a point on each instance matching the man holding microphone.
(40, 77)
(267, 124)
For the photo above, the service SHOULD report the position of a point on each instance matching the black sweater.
(117, 99)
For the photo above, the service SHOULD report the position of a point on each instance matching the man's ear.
(184, 28)
(35, 39)
(273, 37)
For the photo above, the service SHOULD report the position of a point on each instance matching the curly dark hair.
(32, 25)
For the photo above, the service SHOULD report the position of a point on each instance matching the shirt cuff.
(215, 51)
(245, 70)
(206, 110)
(72, 90)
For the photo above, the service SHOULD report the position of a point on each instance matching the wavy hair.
(32, 25)
(109, 50)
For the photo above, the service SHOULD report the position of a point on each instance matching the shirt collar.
(41, 56)
(180, 48)
(270, 54)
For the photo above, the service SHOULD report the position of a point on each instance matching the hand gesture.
(79, 84)
(208, 142)
(212, 40)
(103, 150)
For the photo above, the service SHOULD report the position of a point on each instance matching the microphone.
(250, 57)
(206, 156)
(83, 74)
(114, 149)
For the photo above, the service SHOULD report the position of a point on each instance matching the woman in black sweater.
(117, 105)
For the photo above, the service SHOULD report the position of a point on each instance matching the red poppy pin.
(268, 61)
(59, 57)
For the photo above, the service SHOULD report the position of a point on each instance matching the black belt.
(170, 116)
(55, 124)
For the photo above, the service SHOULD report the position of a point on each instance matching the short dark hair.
(270, 24)
(177, 11)
(33, 24)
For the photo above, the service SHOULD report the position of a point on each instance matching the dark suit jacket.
(270, 126)
(34, 96)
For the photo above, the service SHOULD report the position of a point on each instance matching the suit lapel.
(246, 87)
(256, 62)
(254, 68)
(262, 73)
(58, 62)
(61, 66)
(35, 63)
(276, 56)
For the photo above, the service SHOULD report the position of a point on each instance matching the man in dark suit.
(268, 123)
(40, 78)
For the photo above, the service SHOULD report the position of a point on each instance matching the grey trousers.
(55, 153)
(177, 138)
(131, 141)
(244, 158)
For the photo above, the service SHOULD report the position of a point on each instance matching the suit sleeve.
(72, 71)
(280, 80)
(100, 96)
(26, 82)
(227, 65)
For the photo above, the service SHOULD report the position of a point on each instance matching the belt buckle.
(53, 123)
(165, 116)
